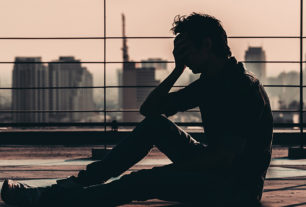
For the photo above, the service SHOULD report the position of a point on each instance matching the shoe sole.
(4, 190)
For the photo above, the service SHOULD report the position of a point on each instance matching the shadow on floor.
(285, 188)
(297, 204)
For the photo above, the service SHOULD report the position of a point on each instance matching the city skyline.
(85, 19)
(166, 67)
(141, 49)
(273, 69)
(142, 75)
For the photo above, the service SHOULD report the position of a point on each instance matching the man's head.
(207, 39)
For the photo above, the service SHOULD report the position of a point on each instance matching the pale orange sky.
(63, 18)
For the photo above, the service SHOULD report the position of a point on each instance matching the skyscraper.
(144, 77)
(157, 63)
(160, 66)
(132, 97)
(70, 73)
(128, 79)
(259, 69)
(30, 73)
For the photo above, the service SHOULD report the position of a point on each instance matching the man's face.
(198, 58)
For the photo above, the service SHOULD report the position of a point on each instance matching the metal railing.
(105, 86)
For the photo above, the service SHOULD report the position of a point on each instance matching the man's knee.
(155, 128)
(157, 122)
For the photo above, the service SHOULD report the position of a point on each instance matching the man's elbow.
(145, 111)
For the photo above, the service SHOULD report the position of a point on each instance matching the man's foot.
(70, 182)
(19, 194)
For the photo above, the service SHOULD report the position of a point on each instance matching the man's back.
(253, 163)
(239, 107)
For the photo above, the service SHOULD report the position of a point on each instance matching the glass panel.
(264, 49)
(128, 98)
(304, 59)
(35, 105)
(283, 98)
(126, 117)
(56, 75)
(278, 73)
(114, 74)
(140, 49)
(49, 50)
(155, 18)
(135, 117)
(285, 117)
(51, 117)
(67, 18)
(243, 49)
(187, 116)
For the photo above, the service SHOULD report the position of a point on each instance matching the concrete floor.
(42, 165)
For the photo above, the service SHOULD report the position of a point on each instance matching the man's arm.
(154, 102)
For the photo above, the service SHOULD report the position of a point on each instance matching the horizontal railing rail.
(123, 124)
(121, 62)
(115, 111)
(137, 86)
(144, 37)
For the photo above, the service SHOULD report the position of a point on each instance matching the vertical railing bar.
(301, 72)
(104, 65)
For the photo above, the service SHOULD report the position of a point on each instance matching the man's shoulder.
(246, 87)
(236, 75)
(251, 77)
(241, 82)
(255, 89)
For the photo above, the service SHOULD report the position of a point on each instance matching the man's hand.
(181, 51)
(155, 102)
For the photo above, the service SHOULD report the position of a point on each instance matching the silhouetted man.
(229, 168)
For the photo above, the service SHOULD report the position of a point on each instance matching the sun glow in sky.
(85, 18)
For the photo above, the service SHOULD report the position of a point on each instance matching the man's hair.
(198, 26)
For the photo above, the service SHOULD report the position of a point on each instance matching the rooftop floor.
(43, 165)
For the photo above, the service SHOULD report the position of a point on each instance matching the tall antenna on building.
(124, 46)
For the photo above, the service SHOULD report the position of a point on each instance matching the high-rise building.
(144, 77)
(28, 72)
(128, 79)
(133, 97)
(157, 63)
(70, 73)
(160, 66)
(259, 69)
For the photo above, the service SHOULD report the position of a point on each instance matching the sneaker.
(19, 194)
(70, 182)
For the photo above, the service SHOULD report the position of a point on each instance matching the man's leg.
(163, 183)
(157, 131)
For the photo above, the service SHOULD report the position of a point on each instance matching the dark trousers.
(157, 131)
(166, 182)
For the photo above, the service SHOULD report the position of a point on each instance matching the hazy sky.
(79, 18)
